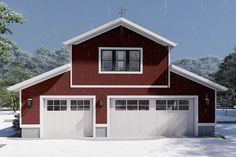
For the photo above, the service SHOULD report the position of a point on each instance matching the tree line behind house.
(222, 71)
(21, 65)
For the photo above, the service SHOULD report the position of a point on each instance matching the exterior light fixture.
(207, 100)
(29, 102)
(100, 102)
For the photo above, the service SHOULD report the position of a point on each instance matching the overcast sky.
(200, 28)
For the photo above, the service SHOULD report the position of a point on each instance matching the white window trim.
(119, 72)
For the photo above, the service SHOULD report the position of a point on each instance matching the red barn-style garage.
(118, 84)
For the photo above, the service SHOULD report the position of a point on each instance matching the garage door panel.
(152, 122)
(73, 121)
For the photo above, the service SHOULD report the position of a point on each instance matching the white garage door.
(151, 117)
(68, 118)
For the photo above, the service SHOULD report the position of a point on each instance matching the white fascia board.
(197, 78)
(149, 34)
(92, 33)
(120, 22)
(40, 78)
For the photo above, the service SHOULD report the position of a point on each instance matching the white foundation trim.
(42, 100)
(206, 124)
(30, 126)
(195, 97)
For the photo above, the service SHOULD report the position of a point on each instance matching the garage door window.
(86, 105)
(172, 105)
(120, 105)
(80, 105)
(56, 105)
(183, 105)
(132, 105)
(143, 104)
(160, 104)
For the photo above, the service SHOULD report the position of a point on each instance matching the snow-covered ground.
(163, 147)
(6, 118)
(137, 148)
(226, 115)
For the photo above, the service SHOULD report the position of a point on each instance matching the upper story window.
(120, 60)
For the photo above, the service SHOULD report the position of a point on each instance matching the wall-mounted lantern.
(29, 102)
(100, 102)
(207, 100)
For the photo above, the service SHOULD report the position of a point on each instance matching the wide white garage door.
(68, 118)
(151, 117)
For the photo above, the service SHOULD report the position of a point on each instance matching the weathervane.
(121, 11)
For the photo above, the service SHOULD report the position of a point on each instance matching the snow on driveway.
(162, 147)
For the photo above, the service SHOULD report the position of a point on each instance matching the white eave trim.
(120, 22)
(197, 78)
(40, 78)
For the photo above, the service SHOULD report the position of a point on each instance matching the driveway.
(12, 147)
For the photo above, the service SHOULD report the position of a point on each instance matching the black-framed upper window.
(120, 60)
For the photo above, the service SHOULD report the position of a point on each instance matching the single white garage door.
(68, 118)
(151, 117)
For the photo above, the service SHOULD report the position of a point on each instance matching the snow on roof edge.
(40, 78)
(197, 78)
(113, 24)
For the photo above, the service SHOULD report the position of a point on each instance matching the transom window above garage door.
(80, 105)
(132, 105)
(56, 105)
(120, 60)
(172, 104)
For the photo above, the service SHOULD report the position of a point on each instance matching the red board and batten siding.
(60, 85)
(85, 60)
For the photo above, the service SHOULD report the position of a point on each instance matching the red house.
(118, 84)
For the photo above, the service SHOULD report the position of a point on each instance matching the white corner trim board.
(197, 78)
(40, 78)
(120, 22)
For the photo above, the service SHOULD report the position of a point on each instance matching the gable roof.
(197, 78)
(40, 78)
(120, 22)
